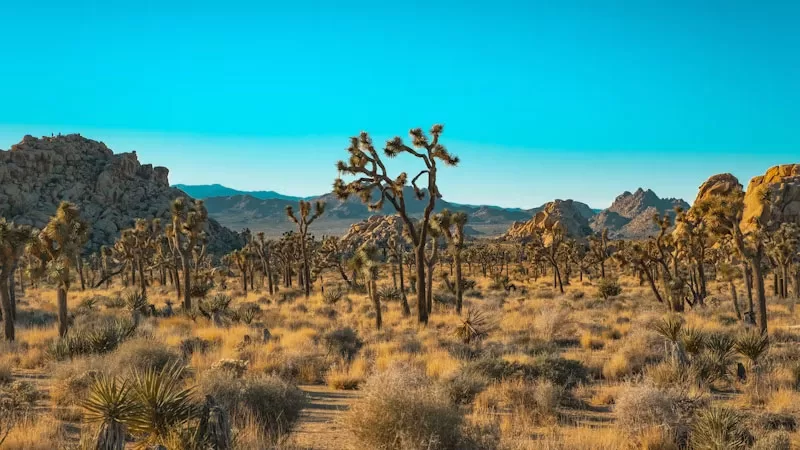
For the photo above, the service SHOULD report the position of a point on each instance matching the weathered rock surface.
(564, 213)
(631, 214)
(112, 190)
(376, 229)
(773, 198)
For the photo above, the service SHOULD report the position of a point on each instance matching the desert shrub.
(273, 402)
(774, 441)
(402, 409)
(444, 298)
(233, 367)
(247, 312)
(563, 372)
(635, 353)
(343, 342)
(720, 428)
(537, 401)
(640, 408)
(608, 287)
(71, 388)
(667, 374)
(332, 296)
(143, 355)
(552, 323)
(93, 338)
(465, 386)
(192, 345)
(5, 373)
(577, 295)
(776, 421)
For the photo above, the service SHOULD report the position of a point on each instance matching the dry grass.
(625, 398)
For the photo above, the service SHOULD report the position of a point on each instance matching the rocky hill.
(631, 214)
(572, 216)
(112, 190)
(268, 215)
(203, 191)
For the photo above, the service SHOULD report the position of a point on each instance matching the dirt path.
(317, 428)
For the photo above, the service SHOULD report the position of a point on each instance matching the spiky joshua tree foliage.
(372, 178)
(62, 240)
(186, 234)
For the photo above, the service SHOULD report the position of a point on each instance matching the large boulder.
(773, 198)
(562, 214)
(111, 190)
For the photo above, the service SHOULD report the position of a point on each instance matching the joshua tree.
(451, 225)
(366, 164)
(396, 246)
(13, 239)
(783, 247)
(62, 240)
(365, 263)
(263, 249)
(305, 219)
(598, 247)
(430, 262)
(723, 215)
(332, 255)
(693, 241)
(188, 220)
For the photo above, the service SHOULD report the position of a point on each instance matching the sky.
(541, 100)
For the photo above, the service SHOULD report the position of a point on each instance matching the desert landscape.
(380, 316)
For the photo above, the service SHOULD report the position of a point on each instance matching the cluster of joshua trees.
(706, 242)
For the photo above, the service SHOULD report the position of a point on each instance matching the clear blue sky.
(540, 101)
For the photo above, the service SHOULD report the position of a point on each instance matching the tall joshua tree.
(188, 220)
(366, 164)
(598, 247)
(303, 220)
(13, 239)
(365, 263)
(451, 226)
(62, 240)
(263, 248)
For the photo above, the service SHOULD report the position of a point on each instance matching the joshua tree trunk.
(12, 294)
(8, 315)
(187, 282)
(758, 275)
(79, 264)
(735, 299)
(142, 279)
(748, 283)
(429, 288)
(62, 310)
(376, 301)
(306, 271)
(268, 273)
(459, 293)
(403, 299)
(244, 281)
(422, 305)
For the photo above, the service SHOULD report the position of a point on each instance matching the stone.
(111, 190)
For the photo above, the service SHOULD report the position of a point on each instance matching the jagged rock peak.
(111, 190)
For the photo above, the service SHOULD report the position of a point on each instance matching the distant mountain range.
(218, 190)
(630, 215)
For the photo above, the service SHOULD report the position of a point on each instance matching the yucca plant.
(670, 328)
(164, 402)
(473, 328)
(752, 344)
(720, 429)
(111, 403)
(694, 340)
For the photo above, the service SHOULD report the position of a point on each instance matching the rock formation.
(377, 229)
(631, 214)
(564, 213)
(773, 198)
(111, 189)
